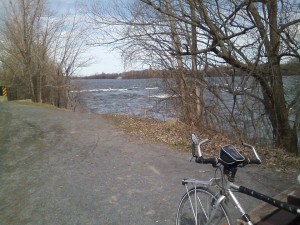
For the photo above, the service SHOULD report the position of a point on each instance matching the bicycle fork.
(222, 198)
(217, 204)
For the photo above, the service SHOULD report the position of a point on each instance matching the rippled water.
(145, 97)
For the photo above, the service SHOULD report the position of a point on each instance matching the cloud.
(62, 6)
(104, 61)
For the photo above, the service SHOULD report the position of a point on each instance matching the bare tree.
(243, 42)
(255, 37)
(21, 20)
(41, 50)
(67, 52)
(143, 37)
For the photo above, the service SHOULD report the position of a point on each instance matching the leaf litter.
(177, 135)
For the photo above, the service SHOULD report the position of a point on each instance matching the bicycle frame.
(230, 159)
(227, 193)
(224, 194)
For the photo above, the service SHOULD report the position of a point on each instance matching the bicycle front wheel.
(195, 208)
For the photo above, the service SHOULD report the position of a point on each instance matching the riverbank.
(177, 135)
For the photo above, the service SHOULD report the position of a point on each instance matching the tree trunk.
(180, 77)
(284, 135)
(198, 91)
(38, 88)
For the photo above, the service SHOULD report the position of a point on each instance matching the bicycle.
(201, 205)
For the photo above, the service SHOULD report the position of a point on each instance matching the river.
(142, 97)
(147, 97)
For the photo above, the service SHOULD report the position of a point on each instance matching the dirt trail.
(59, 167)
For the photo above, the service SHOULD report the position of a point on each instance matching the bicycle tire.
(205, 200)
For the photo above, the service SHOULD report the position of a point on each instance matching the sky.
(103, 59)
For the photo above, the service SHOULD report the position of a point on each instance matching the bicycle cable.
(222, 177)
(222, 186)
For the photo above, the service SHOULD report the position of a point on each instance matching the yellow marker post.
(4, 91)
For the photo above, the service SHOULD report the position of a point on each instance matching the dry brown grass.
(178, 136)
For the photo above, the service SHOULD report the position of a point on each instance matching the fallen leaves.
(178, 136)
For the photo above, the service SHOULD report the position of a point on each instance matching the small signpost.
(3, 93)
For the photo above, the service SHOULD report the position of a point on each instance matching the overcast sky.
(104, 60)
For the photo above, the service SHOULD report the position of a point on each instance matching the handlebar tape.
(254, 161)
(282, 205)
(213, 161)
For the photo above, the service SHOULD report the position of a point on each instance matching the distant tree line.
(288, 69)
(139, 74)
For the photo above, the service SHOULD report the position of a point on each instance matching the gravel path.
(60, 167)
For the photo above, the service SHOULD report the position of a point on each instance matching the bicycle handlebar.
(253, 161)
(214, 161)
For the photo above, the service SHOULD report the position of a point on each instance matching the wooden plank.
(294, 197)
(265, 210)
(280, 217)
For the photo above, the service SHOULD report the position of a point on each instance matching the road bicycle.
(207, 202)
